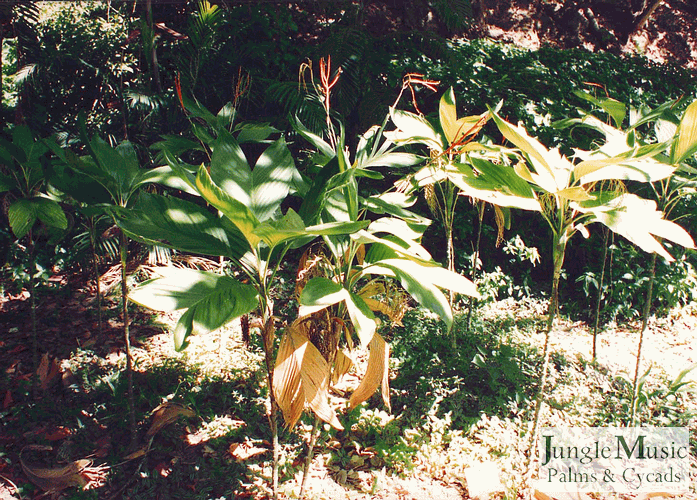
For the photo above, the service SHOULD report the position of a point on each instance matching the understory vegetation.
(251, 252)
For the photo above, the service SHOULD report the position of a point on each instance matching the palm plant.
(356, 275)
(676, 142)
(23, 179)
(117, 173)
(568, 195)
(571, 196)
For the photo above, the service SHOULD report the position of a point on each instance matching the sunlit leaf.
(686, 144)
(235, 211)
(211, 300)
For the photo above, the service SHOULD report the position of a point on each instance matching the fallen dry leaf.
(77, 473)
(245, 451)
(165, 414)
(58, 433)
(7, 402)
(48, 371)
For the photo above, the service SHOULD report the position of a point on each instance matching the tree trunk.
(154, 67)
(643, 18)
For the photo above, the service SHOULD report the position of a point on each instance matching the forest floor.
(668, 37)
(201, 430)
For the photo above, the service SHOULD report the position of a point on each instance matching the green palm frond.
(298, 101)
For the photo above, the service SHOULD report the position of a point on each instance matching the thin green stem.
(480, 210)
(600, 294)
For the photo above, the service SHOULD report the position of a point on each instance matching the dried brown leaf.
(55, 479)
(286, 381)
(245, 451)
(165, 414)
(314, 374)
(342, 365)
(376, 374)
(47, 372)
(302, 375)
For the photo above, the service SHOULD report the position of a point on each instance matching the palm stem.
(310, 453)
(644, 325)
(95, 267)
(32, 303)
(480, 209)
(268, 332)
(600, 295)
(558, 257)
(126, 335)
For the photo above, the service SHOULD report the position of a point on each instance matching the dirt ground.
(669, 35)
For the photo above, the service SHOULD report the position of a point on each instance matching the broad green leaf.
(272, 179)
(416, 282)
(119, 165)
(254, 132)
(362, 318)
(412, 128)
(76, 184)
(211, 300)
(410, 250)
(447, 111)
(230, 170)
(575, 193)
(552, 171)
(316, 198)
(313, 139)
(397, 226)
(50, 213)
(11, 150)
(436, 275)
(395, 204)
(640, 222)
(616, 109)
(453, 128)
(686, 144)
(187, 173)
(628, 164)
(170, 178)
(22, 216)
(392, 160)
(180, 224)
(237, 212)
(497, 184)
(320, 293)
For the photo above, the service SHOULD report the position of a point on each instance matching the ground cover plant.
(304, 278)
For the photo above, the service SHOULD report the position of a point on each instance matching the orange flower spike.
(178, 86)
(411, 79)
(325, 70)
